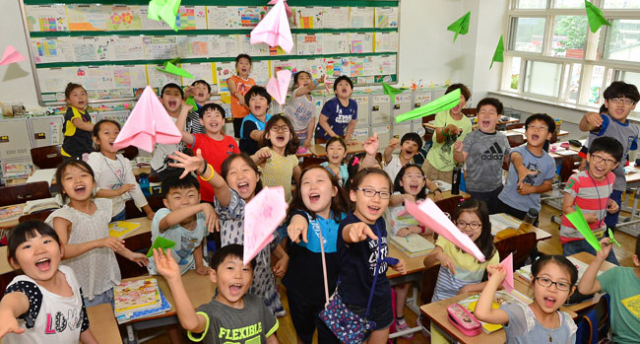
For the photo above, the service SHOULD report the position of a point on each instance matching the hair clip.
(356, 161)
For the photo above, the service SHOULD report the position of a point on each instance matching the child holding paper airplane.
(590, 190)
(622, 284)
(239, 85)
(409, 146)
(301, 109)
(253, 125)
(77, 126)
(554, 280)
(339, 115)
(237, 183)
(197, 94)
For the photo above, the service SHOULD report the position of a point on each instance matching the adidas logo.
(493, 153)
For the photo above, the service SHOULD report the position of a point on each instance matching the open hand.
(115, 244)
(371, 145)
(188, 163)
(165, 264)
(139, 258)
(211, 218)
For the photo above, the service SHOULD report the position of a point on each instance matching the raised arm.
(197, 163)
(182, 121)
(590, 121)
(484, 310)
(12, 306)
(589, 284)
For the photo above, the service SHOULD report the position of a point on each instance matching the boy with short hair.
(622, 284)
(197, 94)
(409, 146)
(620, 99)
(339, 114)
(232, 315)
(590, 190)
(253, 125)
(531, 171)
(484, 150)
(184, 221)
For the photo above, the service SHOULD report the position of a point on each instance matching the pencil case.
(463, 320)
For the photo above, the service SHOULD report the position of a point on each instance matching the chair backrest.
(429, 279)
(515, 140)
(17, 194)
(131, 152)
(46, 157)
(520, 245)
(470, 112)
(449, 205)
(569, 163)
(515, 125)
(131, 211)
(40, 216)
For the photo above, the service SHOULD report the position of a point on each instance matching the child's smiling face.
(618, 108)
(78, 98)
(317, 190)
(178, 198)
(370, 209)
(550, 299)
(242, 178)
(460, 106)
(279, 134)
(258, 105)
(172, 99)
(233, 280)
(38, 257)
(467, 221)
(77, 183)
(409, 148)
(212, 121)
(600, 164)
(537, 133)
(336, 153)
(200, 93)
(412, 181)
(303, 79)
(243, 67)
(487, 118)
(343, 89)
(106, 136)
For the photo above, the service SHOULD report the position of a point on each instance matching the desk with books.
(103, 324)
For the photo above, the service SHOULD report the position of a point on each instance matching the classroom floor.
(287, 335)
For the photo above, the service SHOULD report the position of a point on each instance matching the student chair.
(449, 205)
(429, 279)
(132, 211)
(130, 152)
(515, 126)
(17, 194)
(470, 112)
(46, 157)
(40, 216)
(515, 140)
(520, 245)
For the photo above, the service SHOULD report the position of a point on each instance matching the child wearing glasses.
(554, 280)
(590, 190)
(620, 99)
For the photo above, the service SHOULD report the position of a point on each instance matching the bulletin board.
(113, 49)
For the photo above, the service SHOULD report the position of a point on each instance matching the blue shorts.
(106, 297)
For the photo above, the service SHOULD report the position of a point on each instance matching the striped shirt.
(591, 196)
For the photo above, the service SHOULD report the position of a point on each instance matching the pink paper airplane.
(286, 7)
(507, 264)
(262, 215)
(327, 83)
(278, 88)
(274, 29)
(11, 55)
(148, 124)
(429, 215)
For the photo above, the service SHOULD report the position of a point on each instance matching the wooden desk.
(103, 324)
(412, 264)
(430, 124)
(319, 151)
(540, 234)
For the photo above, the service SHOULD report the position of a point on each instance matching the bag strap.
(375, 277)
(324, 264)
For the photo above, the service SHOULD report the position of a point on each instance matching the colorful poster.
(193, 46)
(224, 70)
(191, 18)
(308, 17)
(309, 44)
(250, 16)
(361, 17)
(386, 17)
(124, 18)
(360, 43)
(46, 18)
(88, 17)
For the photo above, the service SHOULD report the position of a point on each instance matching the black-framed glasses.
(373, 192)
(547, 282)
(598, 159)
(473, 225)
(625, 101)
(282, 128)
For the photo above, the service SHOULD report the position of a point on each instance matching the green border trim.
(321, 3)
(192, 32)
(201, 60)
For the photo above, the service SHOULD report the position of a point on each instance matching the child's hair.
(173, 181)
(96, 130)
(638, 246)
(619, 89)
(259, 91)
(244, 56)
(70, 87)
(551, 124)
(25, 231)
(464, 90)
(224, 170)
(211, 107)
(294, 142)
(480, 209)
(63, 167)
(334, 139)
(362, 174)
(340, 78)
(297, 75)
(412, 137)
(232, 250)
(172, 85)
(561, 261)
(353, 165)
(396, 184)
(202, 82)
(492, 102)
(607, 145)
(339, 203)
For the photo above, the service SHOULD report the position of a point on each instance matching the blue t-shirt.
(546, 167)
(344, 172)
(249, 124)
(338, 117)
(358, 264)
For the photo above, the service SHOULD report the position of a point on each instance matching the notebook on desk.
(412, 245)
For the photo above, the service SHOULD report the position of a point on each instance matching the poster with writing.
(46, 18)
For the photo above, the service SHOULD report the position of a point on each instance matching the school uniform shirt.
(344, 172)
(440, 155)
(591, 196)
(76, 141)
(214, 152)
(278, 171)
(484, 163)
(627, 134)
(243, 86)
(249, 124)
(300, 110)
(186, 240)
(338, 117)
(468, 270)
(251, 324)
(546, 168)
(358, 263)
(112, 175)
(523, 327)
(51, 318)
(97, 269)
(623, 286)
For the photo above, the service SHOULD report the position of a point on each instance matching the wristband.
(443, 134)
(205, 168)
(315, 82)
(213, 172)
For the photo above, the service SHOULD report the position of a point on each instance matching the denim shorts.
(106, 297)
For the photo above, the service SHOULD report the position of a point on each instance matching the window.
(552, 54)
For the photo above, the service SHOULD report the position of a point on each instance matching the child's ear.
(201, 122)
(636, 260)
(335, 192)
(213, 276)
(95, 140)
(166, 204)
(571, 291)
(14, 263)
(352, 195)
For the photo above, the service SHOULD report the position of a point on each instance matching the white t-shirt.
(51, 318)
(393, 167)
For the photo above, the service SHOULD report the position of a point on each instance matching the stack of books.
(10, 212)
(413, 245)
(120, 229)
(139, 299)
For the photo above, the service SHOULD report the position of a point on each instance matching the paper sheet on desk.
(500, 222)
(44, 175)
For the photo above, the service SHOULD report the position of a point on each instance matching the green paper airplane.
(595, 17)
(446, 102)
(174, 61)
(577, 219)
(497, 55)
(164, 10)
(612, 238)
(161, 243)
(460, 26)
(391, 91)
(175, 70)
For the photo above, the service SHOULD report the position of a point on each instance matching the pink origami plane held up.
(428, 214)
(278, 88)
(286, 7)
(148, 124)
(11, 55)
(507, 264)
(274, 29)
(262, 215)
